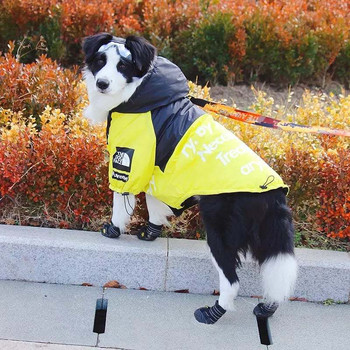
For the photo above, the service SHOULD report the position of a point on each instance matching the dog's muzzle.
(102, 84)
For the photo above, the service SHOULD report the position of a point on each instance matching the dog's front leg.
(158, 213)
(123, 207)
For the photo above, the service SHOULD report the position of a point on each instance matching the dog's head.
(115, 62)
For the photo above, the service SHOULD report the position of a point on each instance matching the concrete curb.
(76, 257)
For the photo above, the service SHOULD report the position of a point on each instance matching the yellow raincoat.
(209, 159)
(175, 150)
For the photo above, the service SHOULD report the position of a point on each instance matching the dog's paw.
(265, 310)
(110, 231)
(209, 315)
(149, 232)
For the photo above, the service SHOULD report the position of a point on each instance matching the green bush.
(203, 51)
(342, 66)
(270, 58)
(50, 29)
(8, 31)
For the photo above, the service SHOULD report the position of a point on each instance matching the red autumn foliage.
(334, 211)
(63, 170)
(31, 87)
(60, 169)
(28, 12)
(80, 18)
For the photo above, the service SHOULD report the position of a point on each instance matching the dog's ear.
(92, 43)
(142, 53)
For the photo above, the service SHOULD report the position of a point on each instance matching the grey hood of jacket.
(163, 84)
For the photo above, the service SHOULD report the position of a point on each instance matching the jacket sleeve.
(131, 146)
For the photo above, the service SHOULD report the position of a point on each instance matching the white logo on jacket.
(122, 159)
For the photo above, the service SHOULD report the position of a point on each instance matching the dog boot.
(110, 231)
(209, 315)
(265, 309)
(149, 232)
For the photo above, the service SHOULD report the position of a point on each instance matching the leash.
(261, 120)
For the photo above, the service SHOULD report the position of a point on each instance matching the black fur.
(92, 43)
(237, 221)
(97, 62)
(142, 52)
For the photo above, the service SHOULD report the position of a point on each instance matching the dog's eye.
(100, 62)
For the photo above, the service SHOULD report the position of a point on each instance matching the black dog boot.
(265, 309)
(209, 315)
(149, 232)
(110, 231)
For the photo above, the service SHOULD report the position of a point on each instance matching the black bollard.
(100, 316)
(264, 330)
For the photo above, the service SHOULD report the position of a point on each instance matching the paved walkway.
(61, 317)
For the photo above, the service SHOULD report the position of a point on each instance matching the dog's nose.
(102, 84)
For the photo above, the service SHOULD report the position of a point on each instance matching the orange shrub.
(53, 164)
(28, 12)
(81, 18)
(298, 170)
(15, 150)
(30, 87)
(276, 40)
(127, 17)
(164, 18)
(334, 211)
(59, 171)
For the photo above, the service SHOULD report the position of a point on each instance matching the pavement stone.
(48, 313)
(20, 345)
(158, 320)
(155, 321)
(42, 316)
(76, 257)
(184, 263)
(323, 274)
(190, 267)
(311, 326)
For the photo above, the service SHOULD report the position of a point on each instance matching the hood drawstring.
(125, 195)
(267, 182)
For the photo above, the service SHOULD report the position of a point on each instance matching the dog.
(162, 144)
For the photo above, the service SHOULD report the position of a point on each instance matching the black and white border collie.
(235, 223)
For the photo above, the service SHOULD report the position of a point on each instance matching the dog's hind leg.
(278, 277)
(158, 213)
(229, 286)
(226, 236)
(275, 253)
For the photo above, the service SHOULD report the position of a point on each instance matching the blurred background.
(286, 59)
